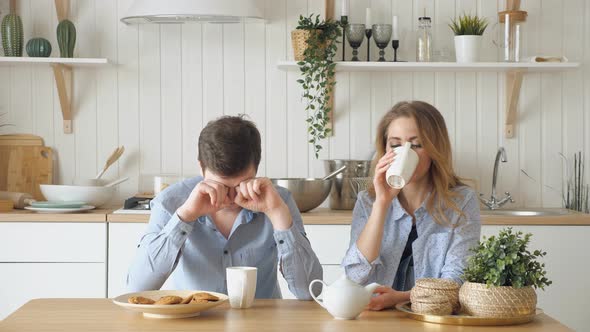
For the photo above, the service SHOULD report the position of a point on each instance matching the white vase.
(467, 48)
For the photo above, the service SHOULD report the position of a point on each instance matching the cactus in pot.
(12, 33)
(66, 38)
(38, 47)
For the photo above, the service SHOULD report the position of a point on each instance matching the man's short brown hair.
(229, 145)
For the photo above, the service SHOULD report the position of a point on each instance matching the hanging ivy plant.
(317, 71)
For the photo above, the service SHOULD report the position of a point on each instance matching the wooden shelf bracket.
(63, 82)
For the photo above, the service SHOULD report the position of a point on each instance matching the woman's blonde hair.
(434, 138)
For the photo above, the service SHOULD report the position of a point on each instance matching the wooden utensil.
(113, 157)
(25, 164)
(18, 200)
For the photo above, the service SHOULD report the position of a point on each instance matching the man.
(227, 217)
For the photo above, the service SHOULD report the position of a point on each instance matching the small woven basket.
(497, 302)
(429, 287)
(299, 42)
(433, 305)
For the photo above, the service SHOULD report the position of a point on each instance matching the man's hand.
(259, 195)
(206, 198)
(387, 297)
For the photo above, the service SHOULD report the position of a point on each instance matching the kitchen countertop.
(266, 315)
(321, 216)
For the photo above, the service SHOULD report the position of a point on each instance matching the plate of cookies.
(170, 303)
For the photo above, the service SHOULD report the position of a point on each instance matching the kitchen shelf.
(514, 74)
(62, 70)
(360, 66)
(74, 62)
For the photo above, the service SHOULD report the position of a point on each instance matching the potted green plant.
(316, 40)
(468, 34)
(501, 276)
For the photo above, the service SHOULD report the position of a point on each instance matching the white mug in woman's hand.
(403, 166)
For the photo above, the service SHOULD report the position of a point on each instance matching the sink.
(526, 212)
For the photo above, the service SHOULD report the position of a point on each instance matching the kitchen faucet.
(493, 203)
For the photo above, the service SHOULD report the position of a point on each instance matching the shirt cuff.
(287, 238)
(355, 256)
(177, 230)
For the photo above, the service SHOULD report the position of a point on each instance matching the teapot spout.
(371, 287)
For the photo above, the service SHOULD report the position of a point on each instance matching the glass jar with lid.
(424, 39)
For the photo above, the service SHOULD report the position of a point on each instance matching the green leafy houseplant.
(468, 25)
(317, 71)
(504, 260)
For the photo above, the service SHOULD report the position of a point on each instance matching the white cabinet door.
(21, 282)
(123, 241)
(329, 242)
(331, 273)
(53, 242)
(567, 247)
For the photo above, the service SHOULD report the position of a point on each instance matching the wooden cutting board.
(25, 164)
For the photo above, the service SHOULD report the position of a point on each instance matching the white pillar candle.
(368, 21)
(344, 8)
(395, 31)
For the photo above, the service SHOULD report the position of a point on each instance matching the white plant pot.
(467, 48)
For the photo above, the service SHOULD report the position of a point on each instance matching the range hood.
(193, 11)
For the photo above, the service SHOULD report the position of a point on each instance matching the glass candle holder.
(382, 36)
(355, 34)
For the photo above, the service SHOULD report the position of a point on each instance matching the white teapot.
(344, 298)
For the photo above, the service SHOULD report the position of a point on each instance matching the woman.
(423, 230)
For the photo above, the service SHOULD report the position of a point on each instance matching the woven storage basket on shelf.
(498, 302)
(433, 305)
(428, 287)
(299, 42)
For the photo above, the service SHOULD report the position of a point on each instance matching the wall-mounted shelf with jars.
(514, 72)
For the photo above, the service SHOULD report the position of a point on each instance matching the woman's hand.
(387, 297)
(384, 194)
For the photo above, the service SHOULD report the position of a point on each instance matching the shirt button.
(225, 252)
(183, 233)
(281, 241)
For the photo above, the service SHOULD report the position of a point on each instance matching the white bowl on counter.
(92, 195)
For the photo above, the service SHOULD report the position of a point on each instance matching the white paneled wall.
(168, 81)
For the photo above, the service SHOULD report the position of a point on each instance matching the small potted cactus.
(468, 34)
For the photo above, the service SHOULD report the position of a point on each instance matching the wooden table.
(267, 315)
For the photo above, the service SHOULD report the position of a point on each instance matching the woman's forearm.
(369, 241)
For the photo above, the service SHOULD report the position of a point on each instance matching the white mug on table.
(241, 286)
(403, 166)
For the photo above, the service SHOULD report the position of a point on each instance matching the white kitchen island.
(87, 255)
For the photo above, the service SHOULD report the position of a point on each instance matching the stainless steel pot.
(343, 194)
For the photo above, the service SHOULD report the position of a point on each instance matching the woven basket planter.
(299, 41)
(429, 287)
(497, 302)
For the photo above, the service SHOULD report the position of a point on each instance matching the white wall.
(169, 81)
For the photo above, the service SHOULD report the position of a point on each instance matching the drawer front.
(329, 242)
(53, 242)
(22, 282)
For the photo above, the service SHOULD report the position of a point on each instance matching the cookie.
(169, 300)
(187, 299)
(140, 300)
(197, 300)
(205, 296)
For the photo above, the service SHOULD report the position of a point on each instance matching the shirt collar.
(399, 211)
(244, 217)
